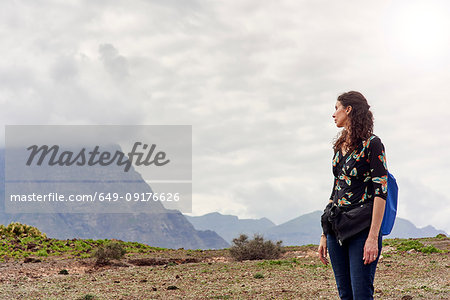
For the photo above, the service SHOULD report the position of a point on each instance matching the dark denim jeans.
(354, 279)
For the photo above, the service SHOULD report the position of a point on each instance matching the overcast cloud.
(258, 81)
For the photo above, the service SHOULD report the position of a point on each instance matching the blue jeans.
(354, 279)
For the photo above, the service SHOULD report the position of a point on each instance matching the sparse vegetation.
(19, 241)
(284, 262)
(257, 248)
(156, 273)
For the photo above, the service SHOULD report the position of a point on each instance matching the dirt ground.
(186, 274)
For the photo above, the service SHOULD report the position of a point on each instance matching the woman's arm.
(379, 174)
(371, 245)
(323, 247)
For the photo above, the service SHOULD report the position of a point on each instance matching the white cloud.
(423, 205)
(257, 80)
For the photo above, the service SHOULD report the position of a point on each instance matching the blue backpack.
(390, 210)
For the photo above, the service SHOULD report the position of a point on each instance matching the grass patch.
(42, 252)
(281, 262)
(411, 244)
(314, 266)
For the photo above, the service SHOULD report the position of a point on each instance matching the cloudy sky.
(257, 80)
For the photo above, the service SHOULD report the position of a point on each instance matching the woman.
(360, 184)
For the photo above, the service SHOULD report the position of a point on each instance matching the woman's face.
(341, 115)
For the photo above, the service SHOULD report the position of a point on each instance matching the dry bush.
(258, 248)
(112, 250)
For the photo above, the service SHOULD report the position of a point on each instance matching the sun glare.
(419, 29)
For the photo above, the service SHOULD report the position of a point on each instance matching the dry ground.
(187, 274)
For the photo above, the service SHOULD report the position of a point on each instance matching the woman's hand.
(323, 249)
(370, 250)
(371, 245)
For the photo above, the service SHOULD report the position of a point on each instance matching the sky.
(257, 80)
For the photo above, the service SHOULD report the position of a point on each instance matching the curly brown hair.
(361, 121)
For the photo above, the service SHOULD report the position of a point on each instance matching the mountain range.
(148, 223)
(302, 230)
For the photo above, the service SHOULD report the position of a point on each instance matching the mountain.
(146, 222)
(302, 230)
(299, 231)
(405, 229)
(228, 226)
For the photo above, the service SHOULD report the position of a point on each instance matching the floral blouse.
(363, 174)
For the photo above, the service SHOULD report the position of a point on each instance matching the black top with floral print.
(363, 175)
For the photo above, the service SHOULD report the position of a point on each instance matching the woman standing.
(360, 184)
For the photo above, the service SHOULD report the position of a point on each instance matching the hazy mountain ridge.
(302, 230)
(230, 226)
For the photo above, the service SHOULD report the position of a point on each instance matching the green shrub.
(63, 272)
(409, 245)
(87, 297)
(258, 276)
(19, 230)
(258, 248)
(111, 250)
